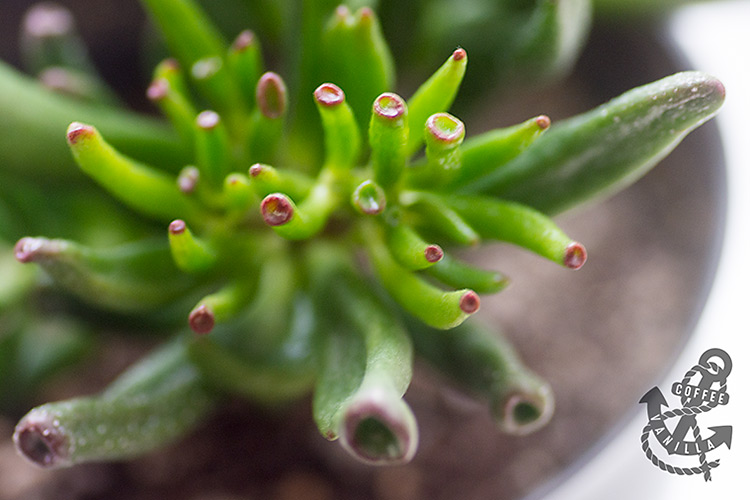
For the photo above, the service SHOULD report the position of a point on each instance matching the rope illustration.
(691, 407)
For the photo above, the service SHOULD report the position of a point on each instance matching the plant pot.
(602, 336)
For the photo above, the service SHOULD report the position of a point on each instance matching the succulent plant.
(294, 236)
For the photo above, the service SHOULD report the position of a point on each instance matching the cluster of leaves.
(305, 232)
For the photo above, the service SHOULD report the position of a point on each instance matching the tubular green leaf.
(409, 249)
(190, 254)
(363, 376)
(458, 274)
(216, 83)
(270, 367)
(340, 129)
(607, 148)
(266, 179)
(356, 57)
(245, 61)
(212, 148)
(178, 110)
(155, 402)
(267, 120)
(142, 188)
(515, 223)
(296, 222)
(221, 306)
(489, 151)
(388, 136)
(435, 215)
(434, 96)
(130, 278)
(435, 307)
(486, 364)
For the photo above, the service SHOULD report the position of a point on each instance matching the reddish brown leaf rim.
(271, 95)
(389, 106)
(202, 319)
(276, 209)
(256, 169)
(40, 439)
(393, 440)
(47, 20)
(329, 95)
(177, 227)
(469, 302)
(29, 249)
(522, 413)
(369, 198)
(78, 131)
(575, 256)
(543, 122)
(244, 40)
(446, 128)
(208, 120)
(187, 179)
(433, 253)
(158, 89)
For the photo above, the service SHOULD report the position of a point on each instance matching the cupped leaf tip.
(277, 209)
(329, 94)
(41, 440)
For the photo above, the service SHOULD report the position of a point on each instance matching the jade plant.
(295, 234)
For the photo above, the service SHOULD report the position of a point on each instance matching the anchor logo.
(703, 388)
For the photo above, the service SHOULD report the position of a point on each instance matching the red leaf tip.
(46, 20)
(445, 128)
(202, 319)
(41, 440)
(256, 170)
(469, 302)
(26, 249)
(276, 209)
(244, 40)
(459, 54)
(270, 94)
(158, 89)
(433, 253)
(389, 106)
(177, 227)
(208, 120)
(188, 179)
(575, 255)
(543, 122)
(78, 131)
(329, 94)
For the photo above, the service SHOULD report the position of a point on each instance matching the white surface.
(716, 38)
